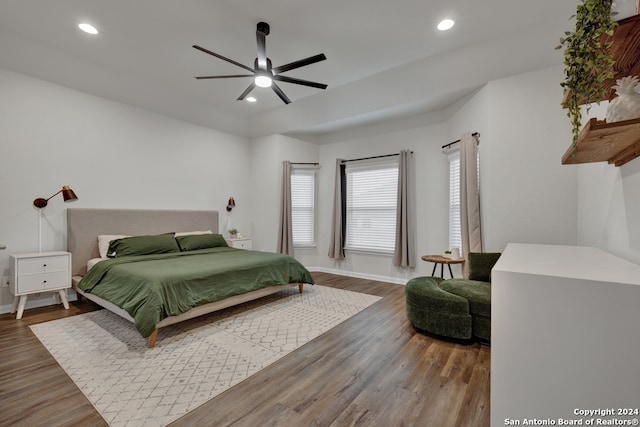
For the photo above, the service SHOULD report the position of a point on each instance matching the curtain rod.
(373, 157)
(456, 141)
(314, 164)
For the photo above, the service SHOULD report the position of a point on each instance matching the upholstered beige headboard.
(85, 225)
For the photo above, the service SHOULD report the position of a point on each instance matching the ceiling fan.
(262, 72)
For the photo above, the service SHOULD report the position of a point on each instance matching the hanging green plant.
(588, 61)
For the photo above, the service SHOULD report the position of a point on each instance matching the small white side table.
(32, 273)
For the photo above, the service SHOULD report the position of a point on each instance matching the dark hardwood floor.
(372, 370)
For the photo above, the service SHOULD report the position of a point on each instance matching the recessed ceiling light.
(88, 28)
(251, 99)
(445, 24)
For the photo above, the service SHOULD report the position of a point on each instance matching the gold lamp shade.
(67, 194)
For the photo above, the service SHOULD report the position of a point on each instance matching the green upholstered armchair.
(477, 290)
(454, 308)
(433, 310)
(480, 265)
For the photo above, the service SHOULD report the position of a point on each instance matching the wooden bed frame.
(85, 225)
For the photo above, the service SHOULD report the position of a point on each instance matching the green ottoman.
(433, 310)
(479, 296)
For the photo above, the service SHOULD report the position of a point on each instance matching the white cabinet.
(32, 273)
(240, 243)
(565, 334)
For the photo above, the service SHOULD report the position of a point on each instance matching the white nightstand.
(240, 243)
(39, 272)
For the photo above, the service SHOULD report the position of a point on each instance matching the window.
(371, 196)
(303, 195)
(455, 226)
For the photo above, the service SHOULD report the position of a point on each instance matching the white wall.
(424, 134)
(526, 194)
(267, 155)
(609, 208)
(532, 196)
(609, 202)
(111, 155)
(432, 193)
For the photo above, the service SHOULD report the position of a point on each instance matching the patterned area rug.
(132, 385)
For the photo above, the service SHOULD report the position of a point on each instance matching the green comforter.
(152, 287)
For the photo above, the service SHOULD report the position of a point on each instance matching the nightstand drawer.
(240, 243)
(41, 265)
(42, 282)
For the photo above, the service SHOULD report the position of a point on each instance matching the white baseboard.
(396, 280)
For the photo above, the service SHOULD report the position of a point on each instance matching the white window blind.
(372, 201)
(455, 226)
(303, 186)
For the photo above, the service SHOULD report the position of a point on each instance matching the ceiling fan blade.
(224, 77)
(299, 81)
(223, 58)
(300, 63)
(246, 92)
(280, 93)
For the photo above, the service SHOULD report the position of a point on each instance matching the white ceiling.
(385, 58)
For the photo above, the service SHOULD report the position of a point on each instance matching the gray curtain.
(336, 249)
(471, 225)
(404, 254)
(285, 233)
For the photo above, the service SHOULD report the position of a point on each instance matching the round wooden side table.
(438, 259)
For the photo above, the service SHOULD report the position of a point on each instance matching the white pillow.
(92, 262)
(189, 233)
(104, 240)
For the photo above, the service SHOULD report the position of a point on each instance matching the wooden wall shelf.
(616, 143)
(625, 51)
(619, 142)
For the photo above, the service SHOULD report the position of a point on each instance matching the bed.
(161, 289)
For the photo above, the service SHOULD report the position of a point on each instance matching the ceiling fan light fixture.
(88, 28)
(263, 81)
(446, 24)
(263, 73)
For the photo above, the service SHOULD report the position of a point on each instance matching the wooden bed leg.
(300, 286)
(152, 339)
